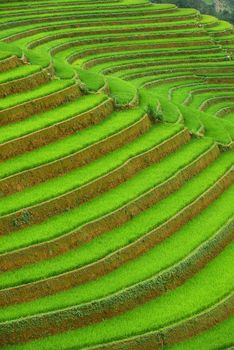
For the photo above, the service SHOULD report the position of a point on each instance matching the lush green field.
(116, 176)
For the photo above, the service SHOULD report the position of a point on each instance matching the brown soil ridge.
(10, 63)
(26, 83)
(100, 23)
(175, 333)
(220, 80)
(111, 14)
(31, 32)
(156, 82)
(193, 93)
(159, 63)
(135, 36)
(221, 34)
(105, 89)
(206, 104)
(225, 111)
(17, 259)
(115, 48)
(226, 42)
(76, 8)
(96, 61)
(59, 167)
(75, 198)
(54, 132)
(58, 4)
(80, 6)
(38, 105)
(38, 326)
(200, 70)
(84, 274)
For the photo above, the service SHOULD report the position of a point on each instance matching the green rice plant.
(42, 90)
(51, 117)
(191, 118)
(198, 99)
(91, 16)
(169, 62)
(169, 111)
(228, 124)
(8, 50)
(27, 27)
(154, 261)
(176, 67)
(90, 172)
(122, 92)
(217, 107)
(92, 81)
(63, 70)
(214, 128)
(71, 144)
(109, 201)
(18, 73)
(219, 336)
(206, 288)
(36, 58)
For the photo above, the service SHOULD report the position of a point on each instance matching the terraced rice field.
(116, 177)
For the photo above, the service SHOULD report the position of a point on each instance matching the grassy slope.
(203, 289)
(157, 259)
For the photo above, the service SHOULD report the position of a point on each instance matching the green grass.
(214, 128)
(218, 337)
(18, 73)
(201, 291)
(217, 107)
(83, 175)
(198, 100)
(63, 70)
(109, 201)
(169, 111)
(178, 49)
(59, 149)
(47, 25)
(191, 119)
(158, 258)
(190, 90)
(43, 90)
(40, 59)
(152, 69)
(92, 81)
(121, 63)
(228, 123)
(122, 92)
(97, 17)
(8, 50)
(51, 117)
(73, 35)
(81, 46)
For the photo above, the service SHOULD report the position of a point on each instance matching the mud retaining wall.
(26, 83)
(52, 285)
(10, 63)
(50, 323)
(53, 133)
(39, 105)
(110, 180)
(177, 332)
(62, 166)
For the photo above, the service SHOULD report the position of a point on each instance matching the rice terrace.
(116, 176)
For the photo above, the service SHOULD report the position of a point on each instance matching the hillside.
(223, 9)
(116, 176)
